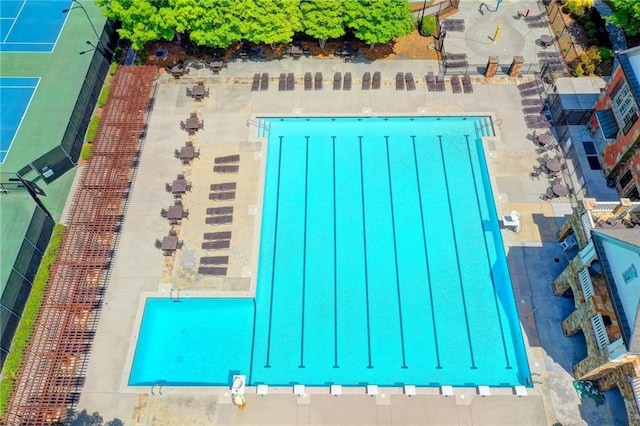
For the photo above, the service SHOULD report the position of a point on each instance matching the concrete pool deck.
(140, 268)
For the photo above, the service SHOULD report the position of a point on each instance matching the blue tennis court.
(31, 25)
(15, 96)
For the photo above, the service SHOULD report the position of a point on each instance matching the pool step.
(484, 126)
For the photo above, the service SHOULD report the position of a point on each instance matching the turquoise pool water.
(381, 262)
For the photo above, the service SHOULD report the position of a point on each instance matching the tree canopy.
(323, 19)
(220, 23)
(142, 20)
(378, 21)
(626, 15)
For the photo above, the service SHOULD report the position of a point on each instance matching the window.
(592, 155)
(625, 179)
(629, 274)
(624, 106)
(633, 195)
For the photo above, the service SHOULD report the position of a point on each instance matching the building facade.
(616, 125)
(604, 280)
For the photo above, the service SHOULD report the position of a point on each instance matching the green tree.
(322, 19)
(271, 21)
(378, 21)
(626, 15)
(216, 23)
(142, 20)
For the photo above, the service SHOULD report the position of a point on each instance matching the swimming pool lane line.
(275, 245)
(426, 256)
(364, 248)
(304, 248)
(455, 242)
(335, 259)
(493, 279)
(395, 255)
(253, 339)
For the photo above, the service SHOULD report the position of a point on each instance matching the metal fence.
(568, 49)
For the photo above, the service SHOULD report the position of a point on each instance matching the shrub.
(606, 54)
(428, 26)
(590, 60)
(104, 96)
(27, 321)
(87, 149)
(113, 68)
(92, 129)
(576, 8)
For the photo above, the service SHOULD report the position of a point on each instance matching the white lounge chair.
(512, 221)
(484, 390)
(262, 390)
(568, 242)
(446, 390)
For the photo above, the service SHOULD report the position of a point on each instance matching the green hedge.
(92, 129)
(113, 68)
(104, 96)
(87, 149)
(428, 27)
(29, 315)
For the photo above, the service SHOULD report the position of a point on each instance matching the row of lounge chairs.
(337, 81)
(227, 186)
(226, 169)
(260, 82)
(286, 82)
(216, 245)
(222, 196)
(453, 25)
(407, 78)
(367, 83)
(437, 83)
(313, 83)
(213, 270)
(214, 260)
(227, 159)
(219, 220)
(536, 21)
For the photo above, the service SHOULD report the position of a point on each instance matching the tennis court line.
(24, 113)
(28, 42)
(55, 43)
(15, 19)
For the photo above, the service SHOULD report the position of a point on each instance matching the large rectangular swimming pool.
(381, 262)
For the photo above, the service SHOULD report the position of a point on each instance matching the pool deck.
(140, 269)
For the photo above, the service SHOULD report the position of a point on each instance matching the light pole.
(78, 5)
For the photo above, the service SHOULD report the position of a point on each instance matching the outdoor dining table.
(546, 40)
(192, 124)
(187, 152)
(216, 65)
(545, 139)
(553, 165)
(560, 190)
(177, 71)
(175, 212)
(198, 91)
(179, 186)
(296, 51)
(170, 242)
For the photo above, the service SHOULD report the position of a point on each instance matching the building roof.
(579, 93)
(622, 296)
(630, 62)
